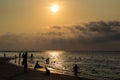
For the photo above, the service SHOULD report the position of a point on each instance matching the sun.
(54, 8)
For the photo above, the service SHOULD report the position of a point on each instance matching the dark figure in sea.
(75, 70)
(47, 60)
(23, 55)
(47, 71)
(4, 55)
(15, 58)
(54, 62)
(42, 58)
(31, 57)
(19, 60)
(94, 71)
(37, 65)
(25, 61)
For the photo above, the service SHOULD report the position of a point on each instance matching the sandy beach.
(9, 71)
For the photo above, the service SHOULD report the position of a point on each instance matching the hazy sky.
(34, 20)
(31, 15)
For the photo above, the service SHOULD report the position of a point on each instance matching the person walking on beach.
(25, 61)
(75, 70)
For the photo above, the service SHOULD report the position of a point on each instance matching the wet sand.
(9, 71)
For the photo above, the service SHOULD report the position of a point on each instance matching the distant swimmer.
(94, 71)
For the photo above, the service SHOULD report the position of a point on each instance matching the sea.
(100, 65)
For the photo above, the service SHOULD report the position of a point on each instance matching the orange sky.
(34, 16)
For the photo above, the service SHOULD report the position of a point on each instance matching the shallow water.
(105, 65)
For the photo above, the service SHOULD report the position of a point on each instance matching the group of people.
(24, 63)
(24, 60)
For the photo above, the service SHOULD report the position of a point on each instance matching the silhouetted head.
(37, 61)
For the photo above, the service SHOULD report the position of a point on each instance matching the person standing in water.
(15, 58)
(19, 58)
(47, 60)
(4, 55)
(75, 70)
(31, 57)
(23, 55)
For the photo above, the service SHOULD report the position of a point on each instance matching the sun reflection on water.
(54, 54)
(56, 59)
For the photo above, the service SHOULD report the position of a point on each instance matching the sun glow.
(54, 8)
(54, 54)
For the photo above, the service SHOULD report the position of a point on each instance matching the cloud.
(88, 36)
(56, 27)
(97, 31)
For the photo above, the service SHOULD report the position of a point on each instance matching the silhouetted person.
(94, 71)
(31, 57)
(37, 65)
(4, 55)
(54, 62)
(19, 58)
(23, 55)
(47, 71)
(25, 65)
(75, 70)
(25, 61)
(15, 58)
(47, 60)
(42, 58)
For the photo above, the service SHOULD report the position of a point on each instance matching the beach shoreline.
(9, 71)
